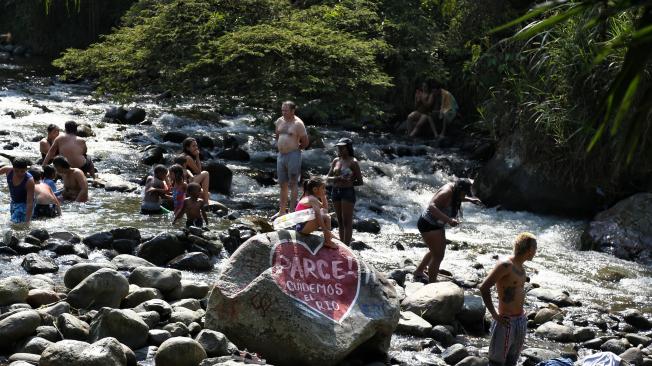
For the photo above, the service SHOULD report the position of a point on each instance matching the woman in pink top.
(314, 196)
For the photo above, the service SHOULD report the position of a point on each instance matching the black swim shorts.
(424, 226)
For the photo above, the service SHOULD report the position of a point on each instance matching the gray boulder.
(105, 287)
(214, 343)
(12, 290)
(189, 289)
(546, 314)
(71, 327)
(616, 346)
(635, 318)
(454, 354)
(535, 355)
(438, 302)
(158, 336)
(124, 325)
(105, 352)
(555, 332)
(75, 274)
(35, 264)
(558, 297)
(473, 361)
(102, 240)
(127, 262)
(315, 305)
(164, 279)
(179, 351)
(38, 297)
(35, 345)
(412, 324)
(472, 314)
(18, 326)
(138, 295)
(633, 356)
(195, 261)
(160, 306)
(624, 230)
(161, 249)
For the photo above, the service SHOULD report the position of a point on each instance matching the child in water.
(193, 207)
(179, 186)
(154, 191)
(314, 196)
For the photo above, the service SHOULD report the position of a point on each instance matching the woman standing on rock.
(344, 175)
(442, 209)
(193, 164)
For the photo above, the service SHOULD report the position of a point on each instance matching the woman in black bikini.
(442, 209)
(344, 175)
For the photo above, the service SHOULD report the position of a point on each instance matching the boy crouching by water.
(510, 323)
(155, 189)
(46, 203)
(193, 207)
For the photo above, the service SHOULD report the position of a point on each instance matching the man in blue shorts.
(21, 190)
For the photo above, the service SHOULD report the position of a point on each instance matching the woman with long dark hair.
(314, 196)
(344, 175)
(193, 165)
(444, 207)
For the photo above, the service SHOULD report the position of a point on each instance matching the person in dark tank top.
(21, 189)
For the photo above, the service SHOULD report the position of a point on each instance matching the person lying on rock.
(75, 187)
(442, 210)
(154, 191)
(46, 203)
(314, 196)
(510, 323)
(21, 190)
(193, 207)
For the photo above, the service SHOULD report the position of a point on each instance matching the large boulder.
(124, 325)
(516, 183)
(555, 332)
(71, 327)
(179, 351)
(35, 264)
(472, 314)
(315, 305)
(18, 326)
(220, 177)
(624, 230)
(164, 279)
(127, 262)
(105, 287)
(437, 302)
(75, 274)
(13, 290)
(161, 249)
(105, 352)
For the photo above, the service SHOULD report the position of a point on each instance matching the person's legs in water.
(436, 242)
(203, 180)
(283, 179)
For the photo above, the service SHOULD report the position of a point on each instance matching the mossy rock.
(613, 274)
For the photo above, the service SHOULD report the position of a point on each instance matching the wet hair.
(61, 162)
(49, 172)
(180, 159)
(291, 104)
(186, 144)
(52, 127)
(177, 170)
(193, 188)
(36, 173)
(523, 242)
(160, 169)
(462, 185)
(71, 127)
(20, 163)
(310, 184)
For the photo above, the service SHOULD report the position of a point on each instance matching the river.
(395, 191)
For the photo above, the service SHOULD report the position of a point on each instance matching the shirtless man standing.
(510, 323)
(75, 187)
(291, 137)
(46, 143)
(73, 148)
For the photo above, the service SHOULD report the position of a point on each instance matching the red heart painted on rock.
(327, 281)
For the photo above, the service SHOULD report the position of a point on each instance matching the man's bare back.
(74, 183)
(290, 134)
(70, 146)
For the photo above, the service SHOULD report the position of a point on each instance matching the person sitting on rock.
(75, 187)
(154, 191)
(510, 323)
(47, 204)
(193, 207)
(73, 148)
(46, 143)
(21, 190)
(432, 103)
(193, 164)
(314, 196)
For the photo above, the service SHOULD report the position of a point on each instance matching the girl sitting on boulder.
(314, 196)
(193, 164)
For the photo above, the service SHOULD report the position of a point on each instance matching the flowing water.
(395, 191)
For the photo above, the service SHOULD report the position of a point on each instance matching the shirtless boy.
(193, 207)
(155, 190)
(73, 148)
(510, 323)
(46, 143)
(75, 187)
(46, 203)
(291, 136)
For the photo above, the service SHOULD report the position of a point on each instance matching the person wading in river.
(75, 187)
(46, 143)
(21, 190)
(442, 210)
(291, 136)
(343, 175)
(46, 204)
(510, 323)
(73, 148)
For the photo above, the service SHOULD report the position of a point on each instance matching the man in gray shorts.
(510, 324)
(291, 137)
